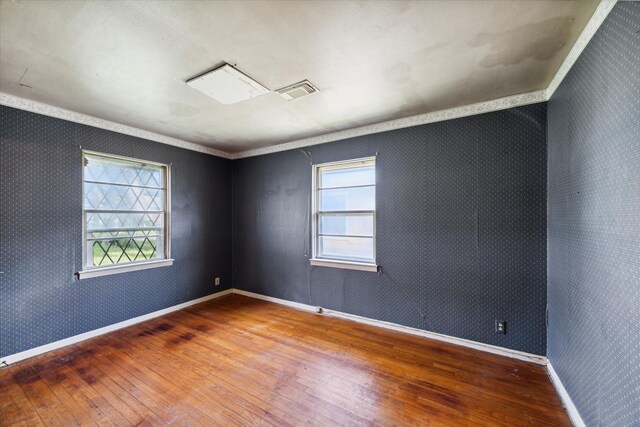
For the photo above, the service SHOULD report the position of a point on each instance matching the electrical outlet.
(501, 327)
(216, 281)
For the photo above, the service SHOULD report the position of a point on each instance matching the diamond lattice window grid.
(125, 210)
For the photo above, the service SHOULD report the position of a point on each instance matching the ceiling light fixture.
(227, 85)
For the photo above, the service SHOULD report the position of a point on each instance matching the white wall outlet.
(216, 281)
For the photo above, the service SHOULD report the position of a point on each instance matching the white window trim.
(332, 262)
(123, 268)
(89, 272)
(347, 265)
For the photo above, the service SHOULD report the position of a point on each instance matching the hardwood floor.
(241, 361)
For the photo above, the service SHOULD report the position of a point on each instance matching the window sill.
(116, 269)
(349, 265)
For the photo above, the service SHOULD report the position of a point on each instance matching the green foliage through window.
(124, 208)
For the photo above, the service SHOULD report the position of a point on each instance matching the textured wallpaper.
(461, 228)
(41, 232)
(594, 224)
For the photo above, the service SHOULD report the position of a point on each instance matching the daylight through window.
(125, 211)
(344, 211)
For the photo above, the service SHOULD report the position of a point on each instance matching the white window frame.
(315, 203)
(90, 271)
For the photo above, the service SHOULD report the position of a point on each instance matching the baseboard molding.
(514, 354)
(13, 358)
(571, 409)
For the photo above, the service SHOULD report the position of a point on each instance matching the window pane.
(346, 248)
(119, 251)
(121, 233)
(118, 197)
(122, 172)
(102, 220)
(348, 199)
(362, 175)
(353, 225)
(112, 184)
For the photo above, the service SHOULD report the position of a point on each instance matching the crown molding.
(72, 116)
(420, 119)
(405, 122)
(598, 17)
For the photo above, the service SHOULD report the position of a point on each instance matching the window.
(344, 214)
(125, 214)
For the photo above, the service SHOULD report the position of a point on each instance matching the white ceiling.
(127, 61)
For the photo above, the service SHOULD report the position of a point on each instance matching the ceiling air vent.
(297, 90)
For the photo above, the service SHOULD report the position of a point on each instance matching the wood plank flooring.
(240, 361)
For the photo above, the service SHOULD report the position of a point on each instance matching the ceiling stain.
(204, 136)
(400, 77)
(432, 49)
(177, 109)
(373, 61)
(539, 41)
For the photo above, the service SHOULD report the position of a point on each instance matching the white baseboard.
(571, 409)
(515, 354)
(520, 355)
(13, 358)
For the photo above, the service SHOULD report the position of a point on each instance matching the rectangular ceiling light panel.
(227, 85)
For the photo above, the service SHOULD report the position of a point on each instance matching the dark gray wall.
(460, 228)
(594, 224)
(41, 226)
